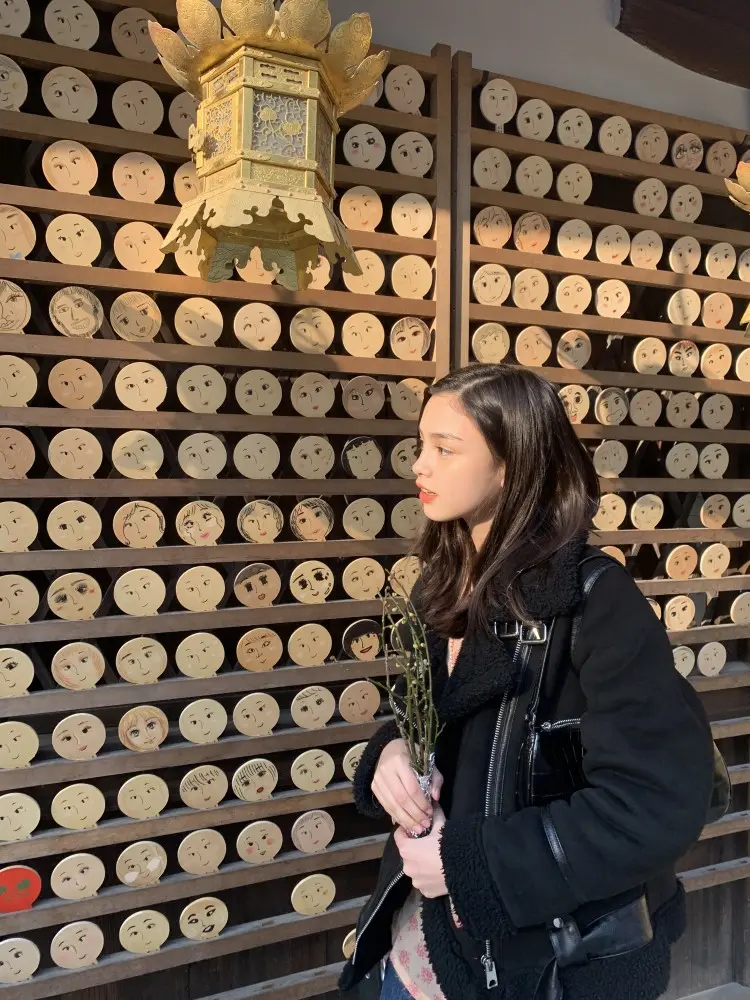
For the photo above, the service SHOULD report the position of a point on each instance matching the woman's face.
(457, 475)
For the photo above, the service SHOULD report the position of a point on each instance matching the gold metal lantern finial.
(271, 84)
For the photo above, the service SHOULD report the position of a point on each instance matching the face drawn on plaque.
(190, 257)
(361, 640)
(15, 17)
(359, 702)
(721, 259)
(313, 831)
(204, 919)
(70, 167)
(71, 23)
(715, 511)
(721, 158)
(19, 816)
(713, 461)
(311, 582)
(407, 517)
(257, 585)
(16, 673)
(615, 136)
(137, 455)
(612, 298)
(260, 521)
(141, 660)
(650, 197)
(612, 245)
(137, 246)
(313, 894)
(574, 239)
(681, 460)
(312, 457)
(259, 842)
(534, 177)
(573, 294)
(685, 255)
(138, 177)
(79, 737)
(687, 151)
(404, 89)
(375, 94)
(200, 588)
(717, 310)
(202, 456)
(77, 945)
(141, 864)
(17, 233)
(258, 392)
(16, 454)
(139, 524)
(201, 852)
(139, 592)
(76, 312)
(75, 384)
(412, 215)
(143, 796)
(407, 397)
(78, 666)
(363, 518)
(255, 780)
(15, 308)
(313, 770)
(137, 107)
(684, 358)
(530, 289)
(647, 511)
(78, 807)
(182, 114)
(18, 382)
(361, 208)
(185, 183)
(144, 932)
(652, 144)
(77, 876)
(574, 184)
(368, 282)
(69, 94)
(363, 579)
(410, 337)
(135, 316)
(200, 523)
(611, 407)
(404, 574)
(646, 249)
(573, 349)
(130, 34)
(143, 728)
(531, 233)
(498, 101)
(203, 720)
(403, 457)
(310, 645)
(411, 277)
(199, 322)
(575, 399)
(313, 707)
(611, 512)
(364, 146)
(492, 227)
(716, 361)
(19, 960)
(204, 787)
(257, 326)
(74, 597)
(574, 128)
(645, 408)
(141, 386)
(75, 454)
(686, 203)
(492, 169)
(362, 458)
(363, 397)
(259, 649)
(18, 526)
(312, 394)
(535, 120)
(362, 335)
(256, 456)
(716, 411)
(200, 654)
(256, 714)
(19, 745)
(311, 520)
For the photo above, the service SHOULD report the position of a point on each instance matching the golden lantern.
(271, 85)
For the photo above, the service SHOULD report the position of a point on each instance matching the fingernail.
(416, 832)
(426, 824)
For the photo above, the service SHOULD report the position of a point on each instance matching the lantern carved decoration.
(270, 85)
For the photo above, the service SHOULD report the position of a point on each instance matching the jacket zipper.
(387, 889)
(560, 724)
(499, 748)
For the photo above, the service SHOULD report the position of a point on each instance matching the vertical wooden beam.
(441, 108)
(461, 79)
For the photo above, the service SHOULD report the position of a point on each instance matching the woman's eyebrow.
(440, 434)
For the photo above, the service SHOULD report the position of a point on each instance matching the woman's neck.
(479, 531)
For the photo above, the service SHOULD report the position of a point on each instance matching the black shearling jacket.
(648, 769)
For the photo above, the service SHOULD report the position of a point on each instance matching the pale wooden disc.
(202, 456)
(363, 518)
(186, 184)
(612, 298)
(203, 721)
(649, 356)
(361, 640)
(141, 864)
(19, 745)
(492, 169)
(743, 266)
(18, 384)
(18, 526)
(256, 456)
(742, 365)
(490, 343)
(364, 397)
(682, 460)
(77, 807)
(615, 553)
(14, 20)
(141, 386)
(721, 158)
(19, 957)
(652, 144)
(573, 349)
(313, 831)
(407, 517)
(611, 407)
(492, 227)
(200, 588)
(69, 94)
(712, 659)
(16, 454)
(404, 89)
(77, 945)
(681, 562)
(312, 457)
(255, 270)
(182, 114)
(13, 86)
(352, 758)
(714, 461)
(144, 796)
(650, 197)
(256, 714)
(260, 521)
(646, 249)
(18, 236)
(144, 727)
(610, 459)
(76, 312)
(533, 346)
(412, 154)
(71, 239)
(721, 260)
(368, 283)
(679, 612)
(72, 23)
(313, 894)
(574, 128)
(137, 107)
(645, 408)
(75, 454)
(139, 524)
(311, 520)
(685, 255)
(686, 203)
(201, 852)
(139, 592)
(258, 392)
(137, 246)
(259, 649)
(16, 677)
(138, 177)
(257, 585)
(143, 932)
(204, 919)
(684, 660)
(201, 389)
(535, 120)
(534, 177)
(407, 397)
(362, 335)
(200, 654)
(612, 245)
(716, 360)
(259, 842)
(320, 274)
(684, 357)
(349, 943)
(135, 316)
(312, 771)
(404, 574)
(647, 511)
(75, 384)
(375, 94)
(15, 308)
(361, 208)
(310, 645)
(687, 151)
(573, 294)
(200, 523)
(255, 780)
(682, 409)
(311, 330)
(574, 239)
(715, 510)
(130, 34)
(615, 136)
(359, 702)
(74, 597)
(312, 394)
(199, 322)
(741, 511)
(412, 215)
(137, 455)
(717, 311)
(257, 326)
(498, 101)
(530, 288)
(684, 307)
(313, 707)
(364, 146)
(403, 457)
(531, 233)
(204, 787)
(575, 399)
(77, 876)
(141, 660)
(19, 816)
(311, 582)
(739, 611)
(363, 579)
(410, 336)
(714, 561)
(78, 666)
(574, 184)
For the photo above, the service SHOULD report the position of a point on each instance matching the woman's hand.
(422, 861)
(396, 788)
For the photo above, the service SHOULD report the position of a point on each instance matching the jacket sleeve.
(649, 766)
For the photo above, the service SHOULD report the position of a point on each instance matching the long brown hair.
(549, 497)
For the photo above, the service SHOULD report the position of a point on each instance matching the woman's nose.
(418, 466)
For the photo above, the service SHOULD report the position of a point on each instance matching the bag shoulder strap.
(592, 567)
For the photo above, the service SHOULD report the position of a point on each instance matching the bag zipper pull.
(490, 972)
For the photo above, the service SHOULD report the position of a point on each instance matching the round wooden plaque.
(574, 184)
(646, 249)
(141, 864)
(368, 283)
(490, 343)
(530, 288)
(364, 147)
(534, 177)
(203, 721)
(410, 336)
(16, 674)
(612, 245)
(352, 757)
(75, 454)
(260, 521)
(78, 807)
(258, 392)
(535, 120)
(19, 816)
(200, 523)
(144, 932)
(313, 707)
(647, 511)
(741, 366)
(259, 649)
(682, 460)
(498, 101)
(310, 645)
(649, 356)
(201, 852)
(573, 294)
(14, 20)
(412, 154)
(739, 611)
(74, 597)
(404, 574)
(16, 454)
(493, 227)
(200, 588)
(715, 510)
(201, 389)
(141, 386)
(679, 612)
(645, 408)
(312, 394)
(18, 526)
(77, 945)
(199, 322)
(684, 357)
(364, 397)
(257, 585)
(716, 411)
(574, 239)
(361, 208)
(204, 787)
(255, 780)
(533, 346)
(611, 407)
(137, 455)
(362, 335)
(406, 397)
(716, 360)
(363, 579)
(19, 960)
(139, 592)
(714, 561)
(612, 298)
(257, 456)
(204, 919)
(202, 456)
(69, 94)
(137, 246)
(652, 144)
(684, 307)
(71, 239)
(531, 233)
(717, 311)
(412, 215)
(651, 197)
(143, 728)
(141, 660)
(19, 745)
(135, 316)
(681, 562)
(615, 136)
(19, 599)
(313, 895)
(311, 520)
(311, 329)
(712, 659)
(78, 666)
(682, 409)
(363, 518)
(137, 107)
(684, 660)
(14, 88)
(403, 457)
(76, 312)
(200, 654)
(75, 384)
(721, 260)
(687, 151)
(407, 517)
(259, 842)
(685, 255)
(361, 640)
(144, 796)
(312, 771)
(130, 34)
(686, 203)
(72, 23)
(492, 169)
(186, 184)
(257, 326)
(714, 461)
(610, 459)
(743, 266)
(138, 177)
(18, 384)
(15, 308)
(77, 876)
(611, 512)
(311, 582)
(404, 89)
(721, 158)
(573, 349)
(139, 524)
(189, 258)
(182, 114)
(574, 128)
(313, 831)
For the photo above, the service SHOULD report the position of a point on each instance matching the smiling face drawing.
(576, 402)
(412, 154)
(715, 511)
(141, 864)
(259, 842)
(15, 17)
(721, 159)
(137, 107)
(611, 512)
(531, 233)
(534, 177)
(78, 666)
(75, 454)
(612, 245)
(19, 816)
(362, 335)
(530, 289)
(143, 796)
(204, 787)
(685, 255)
(311, 520)
(201, 852)
(259, 649)
(721, 260)
(313, 707)
(77, 945)
(19, 744)
(72, 23)
(144, 932)
(611, 407)
(411, 215)
(18, 382)
(256, 456)
(651, 144)
(19, 599)
(135, 316)
(312, 457)
(78, 807)
(75, 384)
(138, 177)
(493, 226)
(200, 523)
(574, 184)
(141, 660)
(646, 249)
(312, 394)
(364, 146)
(363, 518)
(363, 579)
(686, 203)
(368, 282)
(141, 386)
(74, 597)
(404, 89)
(574, 239)
(17, 233)
(716, 411)
(202, 456)
(255, 780)
(200, 588)
(139, 592)
(137, 455)
(143, 728)
(311, 582)
(260, 521)
(257, 326)
(359, 702)
(361, 208)
(498, 101)
(199, 655)
(203, 721)
(79, 737)
(407, 517)
(361, 640)
(256, 714)
(362, 458)
(16, 454)
(187, 186)
(410, 337)
(139, 524)
(574, 128)
(716, 361)
(18, 526)
(16, 673)
(258, 392)
(257, 585)
(492, 169)
(713, 461)
(15, 308)
(69, 94)
(70, 167)
(535, 120)
(310, 645)
(137, 247)
(130, 34)
(682, 460)
(76, 312)
(411, 277)
(313, 831)
(612, 298)
(650, 197)
(19, 960)
(313, 894)
(78, 876)
(198, 322)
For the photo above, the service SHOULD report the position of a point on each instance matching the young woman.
(548, 869)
